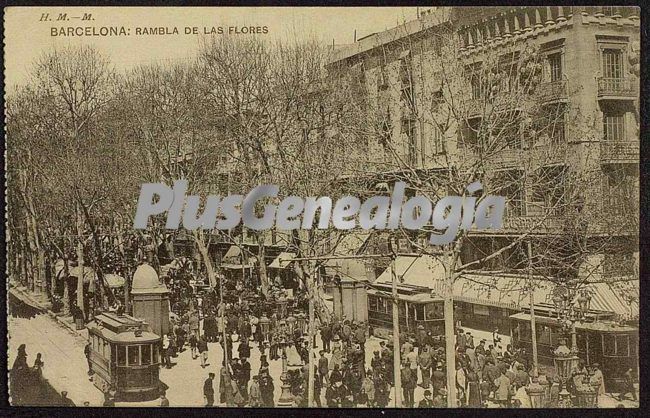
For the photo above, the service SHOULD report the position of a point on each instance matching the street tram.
(612, 345)
(124, 355)
(417, 309)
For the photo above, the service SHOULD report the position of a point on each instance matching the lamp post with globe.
(570, 310)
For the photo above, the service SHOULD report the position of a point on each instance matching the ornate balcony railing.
(543, 224)
(612, 88)
(553, 91)
(505, 158)
(619, 151)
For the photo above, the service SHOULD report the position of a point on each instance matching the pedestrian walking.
(65, 401)
(323, 368)
(87, 350)
(208, 390)
(254, 393)
(166, 350)
(408, 385)
(202, 347)
(326, 336)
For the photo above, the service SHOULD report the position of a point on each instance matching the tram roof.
(501, 290)
(602, 326)
(121, 329)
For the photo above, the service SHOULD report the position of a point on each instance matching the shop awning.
(237, 266)
(422, 271)
(283, 260)
(114, 281)
(233, 251)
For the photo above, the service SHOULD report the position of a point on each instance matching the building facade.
(545, 98)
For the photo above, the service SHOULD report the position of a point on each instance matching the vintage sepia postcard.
(319, 207)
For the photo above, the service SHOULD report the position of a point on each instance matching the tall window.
(406, 81)
(477, 86)
(555, 66)
(408, 129)
(438, 146)
(614, 126)
(613, 63)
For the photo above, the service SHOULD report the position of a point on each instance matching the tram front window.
(121, 355)
(134, 355)
(155, 353)
(146, 354)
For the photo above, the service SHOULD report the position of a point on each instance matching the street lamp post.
(286, 398)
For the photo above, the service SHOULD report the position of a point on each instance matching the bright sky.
(26, 37)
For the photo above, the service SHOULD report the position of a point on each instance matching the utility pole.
(450, 349)
(533, 328)
(312, 375)
(396, 349)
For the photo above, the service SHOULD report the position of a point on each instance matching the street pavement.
(65, 365)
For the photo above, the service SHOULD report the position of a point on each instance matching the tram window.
(543, 335)
(609, 345)
(107, 350)
(134, 355)
(113, 353)
(525, 334)
(622, 345)
(121, 355)
(373, 304)
(155, 353)
(419, 312)
(145, 351)
(432, 312)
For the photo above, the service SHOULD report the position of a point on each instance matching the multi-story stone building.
(545, 98)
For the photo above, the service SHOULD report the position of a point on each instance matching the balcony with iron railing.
(615, 152)
(535, 225)
(617, 88)
(506, 158)
(553, 91)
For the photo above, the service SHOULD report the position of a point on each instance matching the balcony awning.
(282, 261)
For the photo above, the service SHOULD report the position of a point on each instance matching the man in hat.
(326, 336)
(469, 340)
(427, 402)
(480, 349)
(425, 362)
(65, 401)
(323, 368)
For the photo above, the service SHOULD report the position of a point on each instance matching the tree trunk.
(261, 252)
(80, 263)
(66, 289)
(205, 255)
(450, 349)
